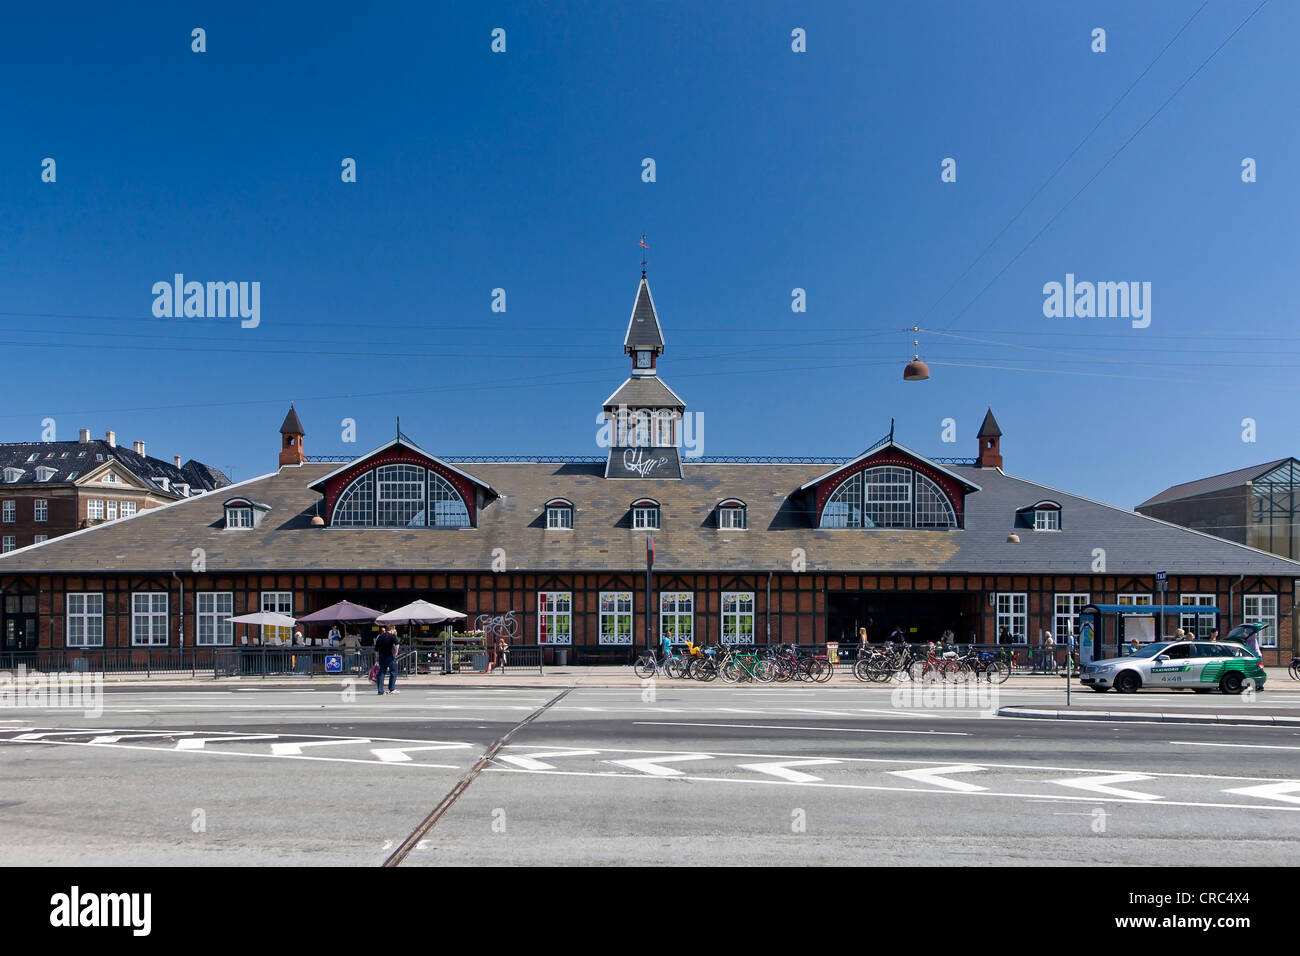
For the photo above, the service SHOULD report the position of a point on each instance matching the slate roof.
(162, 539)
(989, 428)
(1205, 486)
(644, 391)
(643, 329)
(291, 425)
(74, 459)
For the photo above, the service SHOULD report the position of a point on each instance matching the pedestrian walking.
(503, 653)
(862, 642)
(386, 645)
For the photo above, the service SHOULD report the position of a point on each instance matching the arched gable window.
(731, 515)
(400, 496)
(645, 514)
(559, 513)
(888, 496)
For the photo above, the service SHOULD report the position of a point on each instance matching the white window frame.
(1065, 622)
(559, 517)
(9, 511)
(732, 518)
(41, 537)
(109, 479)
(555, 618)
(84, 614)
(149, 618)
(676, 607)
(614, 610)
(110, 509)
(737, 609)
(239, 518)
(1012, 611)
(1047, 519)
(129, 509)
(645, 517)
(278, 602)
(213, 610)
(1198, 625)
(1268, 636)
(94, 509)
(41, 509)
(8, 543)
(1134, 599)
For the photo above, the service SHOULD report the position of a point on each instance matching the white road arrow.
(531, 761)
(288, 750)
(1103, 785)
(114, 738)
(1272, 791)
(196, 743)
(781, 768)
(399, 754)
(934, 775)
(653, 765)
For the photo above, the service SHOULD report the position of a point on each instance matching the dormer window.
(559, 514)
(45, 473)
(1043, 516)
(645, 515)
(33, 456)
(244, 513)
(13, 474)
(731, 515)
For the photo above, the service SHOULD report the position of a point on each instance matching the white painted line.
(114, 738)
(1272, 791)
(281, 750)
(532, 761)
(1202, 743)
(1103, 784)
(399, 754)
(654, 765)
(935, 775)
(781, 768)
(838, 730)
(197, 743)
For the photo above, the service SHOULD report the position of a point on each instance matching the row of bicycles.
(778, 663)
(902, 662)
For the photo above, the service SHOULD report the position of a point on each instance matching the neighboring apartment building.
(51, 488)
(1255, 506)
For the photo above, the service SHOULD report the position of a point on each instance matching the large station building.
(765, 550)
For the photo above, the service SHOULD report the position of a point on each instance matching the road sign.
(334, 664)
(1161, 577)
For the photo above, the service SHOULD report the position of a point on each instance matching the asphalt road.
(218, 774)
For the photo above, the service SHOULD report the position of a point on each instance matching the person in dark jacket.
(386, 659)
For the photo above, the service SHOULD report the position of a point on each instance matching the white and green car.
(1201, 665)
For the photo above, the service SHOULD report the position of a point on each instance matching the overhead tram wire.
(1046, 182)
(1106, 164)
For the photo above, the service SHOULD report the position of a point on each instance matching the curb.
(1034, 713)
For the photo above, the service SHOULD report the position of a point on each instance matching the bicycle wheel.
(864, 668)
(764, 671)
(955, 672)
(825, 671)
(1294, 669)
(644, 667)
(996, 672)
(729, 672)
(705, 670)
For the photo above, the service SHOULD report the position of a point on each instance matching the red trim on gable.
(892, 456)
(397, 455)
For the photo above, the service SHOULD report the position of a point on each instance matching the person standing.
(1214, 633)
(386, 659)
(334, 635)
(503, 653)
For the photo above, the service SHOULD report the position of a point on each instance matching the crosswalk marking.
(935, 775)
(781, 768)
(654, 765)
(285, 750)
(1104, 785)
(532, 761)
(401, 754)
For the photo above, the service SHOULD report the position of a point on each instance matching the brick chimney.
(138, 447)
(111, 438)
(291, 435)
(990, 438)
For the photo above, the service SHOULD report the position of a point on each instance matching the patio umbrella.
(419, 612)
(264, 618)
(339, 613)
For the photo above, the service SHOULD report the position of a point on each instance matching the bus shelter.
(1104, 629)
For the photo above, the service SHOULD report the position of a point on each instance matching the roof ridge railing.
(600, 459)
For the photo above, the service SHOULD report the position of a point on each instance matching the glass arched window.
(888, 497)
(400, 496)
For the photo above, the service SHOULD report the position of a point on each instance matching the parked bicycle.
(1294, 668)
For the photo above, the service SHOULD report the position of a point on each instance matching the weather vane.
(643, 246)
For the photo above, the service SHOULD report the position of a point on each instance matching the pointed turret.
(291, 435)
(645, 339)
(990, 438)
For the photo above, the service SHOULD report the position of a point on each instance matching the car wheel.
(1232, 683)
(1127, 682)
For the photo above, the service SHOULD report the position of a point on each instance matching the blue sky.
(775, 170)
